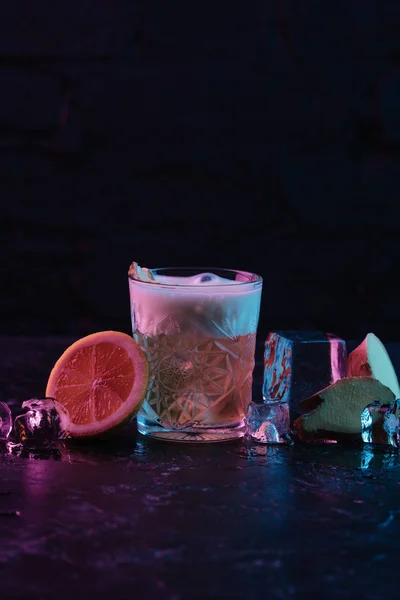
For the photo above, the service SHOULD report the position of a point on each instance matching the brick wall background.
(262, 135)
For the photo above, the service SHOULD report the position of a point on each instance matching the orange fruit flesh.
(101, 380)
(95, 382)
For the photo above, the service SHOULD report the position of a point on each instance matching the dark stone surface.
(115, 519)
(256, 135)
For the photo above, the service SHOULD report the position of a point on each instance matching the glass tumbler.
(198, 329)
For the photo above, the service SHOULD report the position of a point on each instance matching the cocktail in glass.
(198, 329)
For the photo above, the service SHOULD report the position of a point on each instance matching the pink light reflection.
(338, 359)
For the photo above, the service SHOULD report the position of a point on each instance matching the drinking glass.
(198, 329)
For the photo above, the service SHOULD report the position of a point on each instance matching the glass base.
(191, 434)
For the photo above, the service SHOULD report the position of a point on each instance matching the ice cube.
(5, 421)
(44, 422)
(269, 423)
(380, 424)
(208, 278)
(297, 364)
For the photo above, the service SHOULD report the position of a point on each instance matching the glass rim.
(254, 280)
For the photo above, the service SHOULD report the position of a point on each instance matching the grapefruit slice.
(101, 379)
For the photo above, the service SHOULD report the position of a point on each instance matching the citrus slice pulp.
(101, 379)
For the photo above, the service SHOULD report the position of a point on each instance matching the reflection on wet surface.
(131, 448)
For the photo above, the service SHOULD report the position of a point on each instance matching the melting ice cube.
(269, 423)
(44, 422)
(380, 424)
(297, 364)
(5, 421)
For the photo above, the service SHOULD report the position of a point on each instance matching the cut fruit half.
(371, 359)
(338, 408)
(102, 380)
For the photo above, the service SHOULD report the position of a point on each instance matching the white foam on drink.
(203, 302)
(197, 280)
